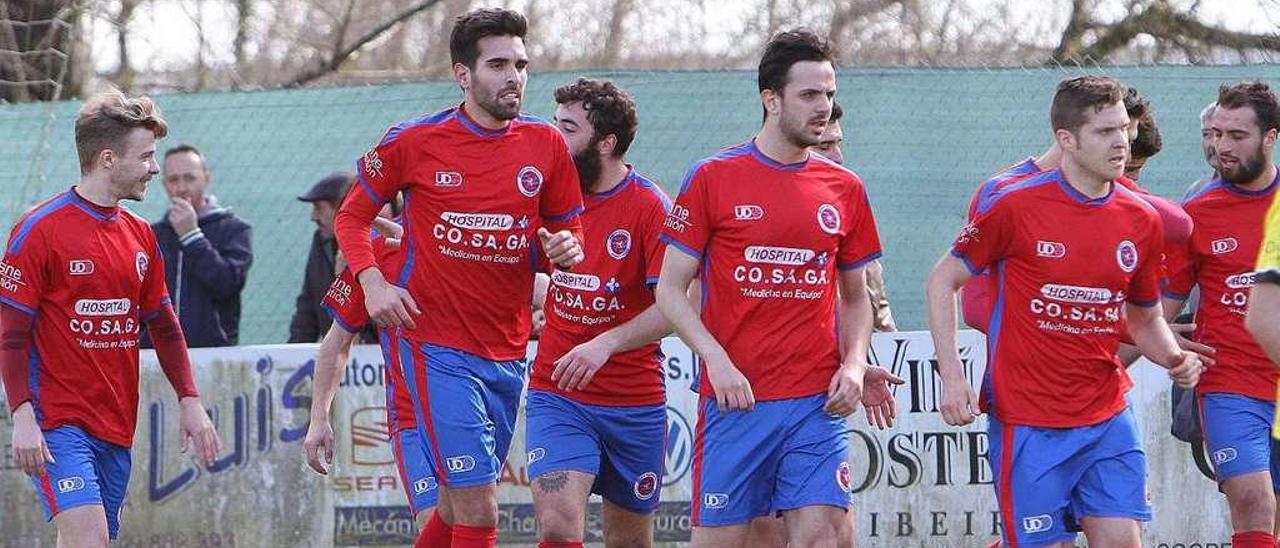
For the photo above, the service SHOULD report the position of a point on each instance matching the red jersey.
(472, 200)
(1221, 258)
(1064, 265)
(345, 303)
(611, 286)
(90, 276)
(975, 297)
(770, 237)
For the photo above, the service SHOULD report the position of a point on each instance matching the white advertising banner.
(921, 483)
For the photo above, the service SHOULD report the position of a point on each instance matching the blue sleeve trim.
(1144, 304)
(338, 320)
(688, 250)
(1172, 295)
(973, 269)
(860, 262)
(571, 214)
(28, 310)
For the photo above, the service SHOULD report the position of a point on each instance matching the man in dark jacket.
(207, 253)
(310, 321)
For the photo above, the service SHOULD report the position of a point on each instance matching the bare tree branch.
(341, 55)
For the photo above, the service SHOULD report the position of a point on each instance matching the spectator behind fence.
(310, 321)
(207, 253)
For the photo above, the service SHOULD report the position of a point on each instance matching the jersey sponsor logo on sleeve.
(479, 221)
(372, 164)
(339, 291)
(10, 277)
(448, 178)
(103, 307)
(829, 219)
(580, 282)
(80, 267)
(1127, 256)
(645, 486)
(789, 256)
(1037, 524)
(73, 483)
(678, 219)
(619, 243)
(1050, 250)
(748, 212)
(967, 234)
(1223, 246)
(140, 263)
(529, 181)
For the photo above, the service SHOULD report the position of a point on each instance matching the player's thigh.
(632, 441)
(421, 517)
(1252, 502)
(1237, 432)
(453, 412)
(1035, 473)
(560, 503)
(718, 537)
(815, 526)
(624, 528)
(417, 475)
(1112, 532)
(82, 526)
(813, 469)
(767, 532)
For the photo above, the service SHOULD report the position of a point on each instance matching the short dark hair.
(183, 147)
(1148, 142)
(610, 109)
(786, 49)
(1076, 96)
(105, 120)
(1256, 95)
(836, 113)
(469, 28)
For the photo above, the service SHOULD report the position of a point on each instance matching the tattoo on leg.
(553, 482)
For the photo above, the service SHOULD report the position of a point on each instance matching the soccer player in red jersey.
(772, 229)
(477, 179)
(1070, 251)
(1237, 394)
(596, 410)
(79, 275)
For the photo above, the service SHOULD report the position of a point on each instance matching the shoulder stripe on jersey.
(432, 119)
(18, 305)
(36, 215)
(653, 188)
(1211, 186)
(688, 250)
(565, 216)
(985, 203)
(860, 262)
(735, 151)
(533, 119)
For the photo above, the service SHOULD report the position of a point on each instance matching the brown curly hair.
(610, 109)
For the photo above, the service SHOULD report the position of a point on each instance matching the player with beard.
(81, 260)
(772, 229)
(1069, 249)
(596, 410)
(477, 179)
(1237, 394)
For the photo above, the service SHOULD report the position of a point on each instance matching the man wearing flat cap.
(310, 321)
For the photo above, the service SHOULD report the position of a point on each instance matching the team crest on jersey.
(843, 477)
(646, 485)
(140, 262)
(829, 219)
(529, 181)
(619, 243)
(1127, 256)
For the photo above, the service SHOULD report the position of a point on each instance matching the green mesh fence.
(921, 139)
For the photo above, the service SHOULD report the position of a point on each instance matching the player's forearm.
(1152, 335)
(351, 226)
(1263, 320)
(333, 354)
(940, 297)
(15, 347)
(1171, 308)
(856, 317)
(673, 302)
(171, 352)
(1128, 354)
(643, 329)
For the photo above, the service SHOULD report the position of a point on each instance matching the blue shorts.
(416, 474)
(1047, 479)
(87, 471)
(621, 446)
(466, 409)
(782, 455)
(1237, 430)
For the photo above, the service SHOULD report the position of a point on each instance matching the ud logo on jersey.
(536, 455)
(829, 219)
(80, 267)
(425, 484)
(529, 181)
(618, 243)
(448, 178)
(748, 212)
(1223, 456)
(73, 483)
(1223, 246)
(1051, 250)
(462, 463)
(140, 262)
(1127, 256)
(646, 485)
(1037, 524)
(715, 500)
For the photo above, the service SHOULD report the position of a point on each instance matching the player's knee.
(1256, 501)
(421, 518)
(560, 522)
(88, 536)
(474, 506)
(823, 533)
